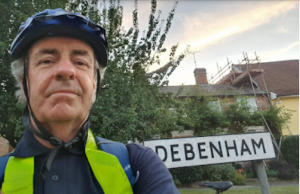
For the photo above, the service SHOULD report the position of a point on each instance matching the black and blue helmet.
(58, 22)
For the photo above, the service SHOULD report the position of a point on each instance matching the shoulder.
(152, 174)
(137, 151)
(143, 159)
(140, 156)
(3, 162)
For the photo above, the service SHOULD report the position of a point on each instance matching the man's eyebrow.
(79, 52)
(47, 51)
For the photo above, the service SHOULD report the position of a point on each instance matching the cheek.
(37, 84)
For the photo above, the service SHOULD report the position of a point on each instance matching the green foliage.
(274, 189)
(239, 116)
(276, 118)
(249, 170)
(285, 171)
(177, 182)
(290, 150)
(188, 175)
(272, 173)
(238, 179)
(198, 115)
(219, 172)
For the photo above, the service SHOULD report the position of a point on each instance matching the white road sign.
(196, 151)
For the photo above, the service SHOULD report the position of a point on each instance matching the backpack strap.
(121, 152)
(3, 162)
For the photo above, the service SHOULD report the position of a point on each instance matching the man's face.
(61, 79)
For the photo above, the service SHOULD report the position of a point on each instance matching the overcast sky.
(217, 30)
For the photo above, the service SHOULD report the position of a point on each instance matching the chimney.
(200, 76)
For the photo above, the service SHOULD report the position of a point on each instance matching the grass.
(288, 189)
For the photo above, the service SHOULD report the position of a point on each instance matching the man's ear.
(21, 85)
(20, 94)
(95, 90)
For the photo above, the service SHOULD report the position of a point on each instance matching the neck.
(65, 131)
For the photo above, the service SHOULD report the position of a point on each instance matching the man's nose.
(65, 70)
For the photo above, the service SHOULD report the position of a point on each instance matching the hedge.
(290, 150)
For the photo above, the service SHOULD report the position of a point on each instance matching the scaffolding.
(230, 70)
(232, 73)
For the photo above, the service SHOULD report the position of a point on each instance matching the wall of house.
(223, 103)
(290, 103)
(259, 102)
(262, 102)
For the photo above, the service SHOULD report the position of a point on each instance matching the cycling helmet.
(58, 22)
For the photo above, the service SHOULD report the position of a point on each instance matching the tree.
(130, 107)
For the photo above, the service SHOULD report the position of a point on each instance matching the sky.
(222, 30)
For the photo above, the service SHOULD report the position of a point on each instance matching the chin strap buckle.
(55, 141)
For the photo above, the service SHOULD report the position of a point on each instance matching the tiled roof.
(281, 77)
(206, 90)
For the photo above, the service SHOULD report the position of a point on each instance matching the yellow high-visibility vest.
(19, 172)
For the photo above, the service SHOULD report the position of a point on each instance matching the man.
(59, 60)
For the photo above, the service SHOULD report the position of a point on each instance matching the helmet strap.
(42, 133)
(98, 83)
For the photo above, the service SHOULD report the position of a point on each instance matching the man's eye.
(80, 63)
(46, 61)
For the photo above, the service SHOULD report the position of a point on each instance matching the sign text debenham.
(196, 151)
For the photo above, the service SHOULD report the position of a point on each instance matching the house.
(221, 96)
(280, 79)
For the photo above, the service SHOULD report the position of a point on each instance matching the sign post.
(262, 176)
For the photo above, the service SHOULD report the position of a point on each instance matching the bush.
(290, 150)
(285, 171)
(220, 172)
(238, 179)
(272, 173)
(187, 175)
(177, 182)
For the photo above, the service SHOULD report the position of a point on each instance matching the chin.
(63, 113)
(64, 117)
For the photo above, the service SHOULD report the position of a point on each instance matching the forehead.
(60, 44)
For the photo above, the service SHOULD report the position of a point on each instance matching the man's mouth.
(63, 92)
